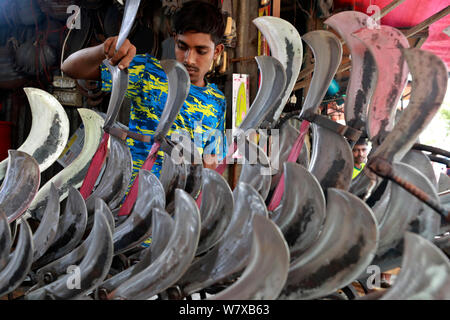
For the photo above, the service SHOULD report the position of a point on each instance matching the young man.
(359, 156)
(199, 28)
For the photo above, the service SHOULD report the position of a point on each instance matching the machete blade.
(286, 46)
(344, 249)
(137, 227)
(331, 159)
(301, 213)
(215, 210)
(173, 261)
(20, 261)
(363, 75)
(20, 185)
(421, 162)
(5, 240)
(385, 44)
(424, 274)
(267, 269)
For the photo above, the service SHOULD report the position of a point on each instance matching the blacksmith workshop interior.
(224, 150)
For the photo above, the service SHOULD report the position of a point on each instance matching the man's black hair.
(200, 16)
(361, 141)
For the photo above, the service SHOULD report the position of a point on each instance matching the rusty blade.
(116, 177)
(5, 240)
(230, 255)
(331, 159)
(301, 213)
(20, 261)
(385, 44)
(215, 211)
(327, 51)
(424, 273)
(267, 270)
(363, 75)
(256, 169)
(173, 261)
(137, 227)
(286, 46)
(92, 270)
(71, 227)
(272, 85)
(345, 247)
(58, 268)
(162, 228)
(46, 231)
(20, 185)
(421, 162)
(429, 84)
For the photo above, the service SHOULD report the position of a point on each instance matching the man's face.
(360, 153)
(196, 51)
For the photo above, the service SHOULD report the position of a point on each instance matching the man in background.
(360, 151)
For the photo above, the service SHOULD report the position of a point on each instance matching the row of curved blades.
(209, 238)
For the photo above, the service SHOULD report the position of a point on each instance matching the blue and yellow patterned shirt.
(202, 115)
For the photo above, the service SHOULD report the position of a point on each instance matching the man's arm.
(85, 63)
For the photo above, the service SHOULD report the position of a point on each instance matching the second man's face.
(196, 51)
(360, 153)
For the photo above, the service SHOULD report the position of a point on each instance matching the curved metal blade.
(137, 227)
(426, 98)
(385, 44)
(131, 8)
(301, 213)
(179, 84)
(344, 249)
(363, 75)
(162, 229)
(173, 261)
(116, 177)
(267, 270)
(444, 182)
(231, 254)
(331, 159)
(20, 262)
(404, 208)
(273, 84)
(215, 211)
(71, 228)
(288, 136)
(20, 185)
(59, 267)
(92, 269)
(286, 46)
(74, 173)
(421, 162)
(327, 51)
(256, 170)
(46, 231)
(49, 130)
(173, 176)
(5, 240)
(425, 272)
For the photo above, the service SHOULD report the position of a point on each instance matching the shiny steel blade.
(20, 261)
(5, 240)
(444, 182)
(116, 177)
(421, 162)
(344, 249)
(286, 46)
(93, 267)
(215, 211)
(267, 270)
(173, 261)
(45, 233)
(137, 227)
(272, 85)
(20, 185)
(231, 254)
(71, 227)
(327, 51)
(173, 176)
(331, 159)
(385, 44)
(301, 213)
(424, 273)
(363, 74)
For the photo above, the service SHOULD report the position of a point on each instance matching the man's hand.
(123, 56)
